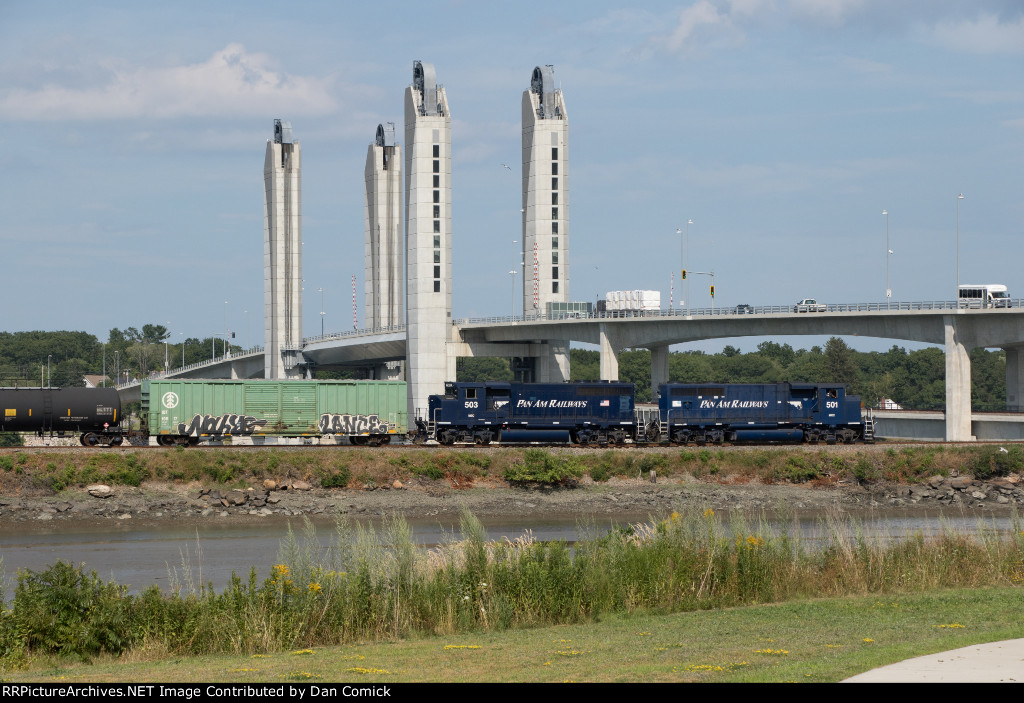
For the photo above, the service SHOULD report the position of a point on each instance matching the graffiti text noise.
(352, 424)
(220, 425)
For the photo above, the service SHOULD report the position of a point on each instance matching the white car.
(809, 305)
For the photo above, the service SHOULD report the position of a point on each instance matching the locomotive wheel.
(446, 437)
(653, 432)
(116, 441)
(358, 441)
(89, 439)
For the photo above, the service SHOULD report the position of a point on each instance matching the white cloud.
(829, 12)
(985, 35)
(232, 82)
(700, 23)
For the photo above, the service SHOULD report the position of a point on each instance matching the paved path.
(980, 663)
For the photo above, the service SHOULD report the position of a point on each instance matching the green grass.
(823, 640)
(379, 585)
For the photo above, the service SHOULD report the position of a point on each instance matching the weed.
(538, 466)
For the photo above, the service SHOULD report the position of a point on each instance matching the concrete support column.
(609, 355)
(1014, 379)
(388, 371)
(958, 384)
(451, 362)
(659, 368)
(553, 367)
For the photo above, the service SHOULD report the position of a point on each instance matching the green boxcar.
(180, 412)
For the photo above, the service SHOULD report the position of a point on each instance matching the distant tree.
(781, 354)
(472, 369)
(584, 365)
(689, 367)
(635, 368)
(839, 365)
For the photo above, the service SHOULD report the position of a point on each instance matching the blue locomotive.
(484, 412)
(606, 413)
(757, 412)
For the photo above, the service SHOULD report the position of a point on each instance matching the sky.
(132, 139)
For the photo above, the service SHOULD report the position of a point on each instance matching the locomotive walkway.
(959, 329)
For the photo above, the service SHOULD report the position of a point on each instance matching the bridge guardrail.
(731, 310)
(252, 351)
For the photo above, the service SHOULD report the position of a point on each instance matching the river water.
(209, 552)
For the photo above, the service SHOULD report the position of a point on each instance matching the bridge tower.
(384, 274)
(428, 231)
(546, 211)
(282, 254)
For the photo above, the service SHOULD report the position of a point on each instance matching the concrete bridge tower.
(428, 232)
(546, 211)
(282, 254)
(384, 273)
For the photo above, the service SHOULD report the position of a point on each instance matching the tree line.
(65, 358)
(914, 379)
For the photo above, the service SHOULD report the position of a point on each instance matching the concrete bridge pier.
(610, 348)
(958, 383)
(1014, 378)
(659, 368)
(553, 367)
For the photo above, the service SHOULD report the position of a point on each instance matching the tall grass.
(378, 584)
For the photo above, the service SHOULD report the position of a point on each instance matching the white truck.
(810, 305)
(984, 295)
(627, 303)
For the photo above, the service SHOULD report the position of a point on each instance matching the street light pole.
(958, 199)
(682, 264)
(322, 313)
(48, 370)
(688, 223)
(225, 329)
(888, 253)
(513, 273)
(167, 364)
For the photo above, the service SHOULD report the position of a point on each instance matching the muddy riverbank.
(192, 486)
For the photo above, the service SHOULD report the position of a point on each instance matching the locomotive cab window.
(832, 392)
(497, 399)
(470, 393)
(450, 390)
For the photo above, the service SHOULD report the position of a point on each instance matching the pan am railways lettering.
(710, 404)
(551, 404)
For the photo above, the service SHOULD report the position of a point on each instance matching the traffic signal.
(712, 291)
(684, 274)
